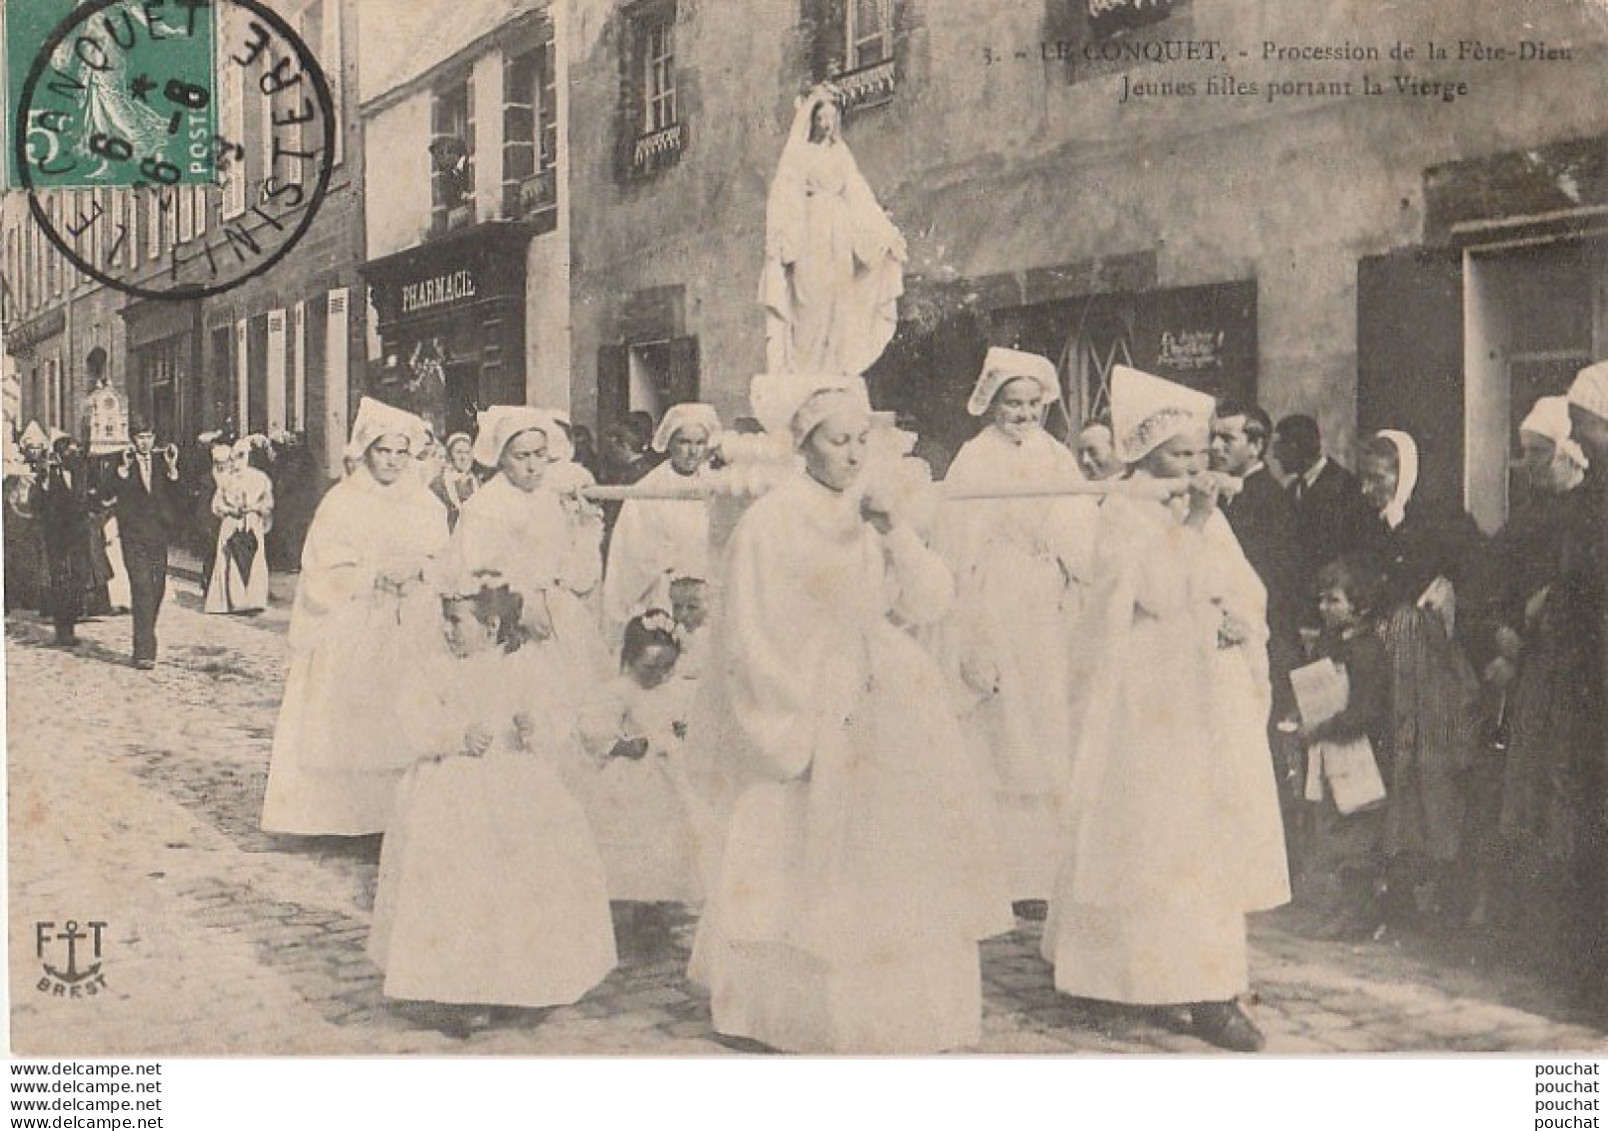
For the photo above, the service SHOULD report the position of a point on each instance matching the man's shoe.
(1224, 1024)
(145, 665)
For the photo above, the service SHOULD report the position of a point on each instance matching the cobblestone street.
(134, 799)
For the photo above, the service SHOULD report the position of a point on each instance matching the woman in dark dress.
(64, 517)
(1427, 555)
(1545, 609)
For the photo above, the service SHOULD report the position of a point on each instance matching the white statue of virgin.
(834, 262)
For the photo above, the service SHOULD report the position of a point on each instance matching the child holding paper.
(1349, 842)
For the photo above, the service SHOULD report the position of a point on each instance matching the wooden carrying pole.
(1142, 489)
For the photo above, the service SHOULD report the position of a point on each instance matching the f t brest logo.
(80, 974)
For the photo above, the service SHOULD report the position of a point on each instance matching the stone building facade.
(1209, 188)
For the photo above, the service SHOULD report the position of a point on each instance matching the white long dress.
(858, 872)
(339, 749)
(1175, 830)
(232, 590)
(648, 822)
(491, 890)
(1022, 570)
(532, 541)
(833, 269)
(653, 538)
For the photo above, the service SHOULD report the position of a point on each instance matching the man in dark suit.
(1330, 514)
(1262, 517)
(147, 491)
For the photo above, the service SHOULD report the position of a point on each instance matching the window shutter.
(278, 355)
(613, 385)
(332, 45)
(627, 112)
(242, 375)
(298, 367)
(1410, 359)
(336, 358)
(682, 366)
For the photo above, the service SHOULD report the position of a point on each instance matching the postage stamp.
(121, 93)
(148, 98)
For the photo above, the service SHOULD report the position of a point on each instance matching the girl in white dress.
(856, 879)
(520, 528)
(1175, 831)
(641, 806)
(243, 504)
(491, 890)
(656, 539)
(1022, 569)
(363, 617)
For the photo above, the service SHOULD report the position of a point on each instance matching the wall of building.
(396, 141)
(549, 359)
(997, 169)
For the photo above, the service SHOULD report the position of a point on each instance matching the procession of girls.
(855, 736)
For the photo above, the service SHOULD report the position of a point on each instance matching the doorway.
(1535, 316)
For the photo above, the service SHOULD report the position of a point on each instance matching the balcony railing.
(539, 191)
(868, 86)
(659, 148)
(655, 148)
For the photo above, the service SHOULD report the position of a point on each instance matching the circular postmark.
(116, 101)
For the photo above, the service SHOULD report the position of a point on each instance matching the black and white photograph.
(831, 528)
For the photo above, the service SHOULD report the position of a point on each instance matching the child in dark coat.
(1352, 846)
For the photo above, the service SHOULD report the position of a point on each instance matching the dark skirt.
(1435, 696)
(1552, 797)
(71, 578)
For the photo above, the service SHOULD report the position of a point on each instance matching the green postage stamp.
(110, 92)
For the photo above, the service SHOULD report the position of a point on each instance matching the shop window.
(652, 128)
(530, 133)
(222, 370)
(452, 157)
(165, 371)
(854, 44)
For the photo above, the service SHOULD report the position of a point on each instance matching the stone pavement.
(134, 799)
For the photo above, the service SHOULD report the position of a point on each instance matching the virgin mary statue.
(834, 262)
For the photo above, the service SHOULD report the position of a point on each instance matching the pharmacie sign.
(439, 290)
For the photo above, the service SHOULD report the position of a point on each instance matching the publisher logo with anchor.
(80, 975)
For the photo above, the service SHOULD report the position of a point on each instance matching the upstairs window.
(530, 133)
(658, 72)
(652, 130)
(854, 44)
(868, 38)
(452, 158)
